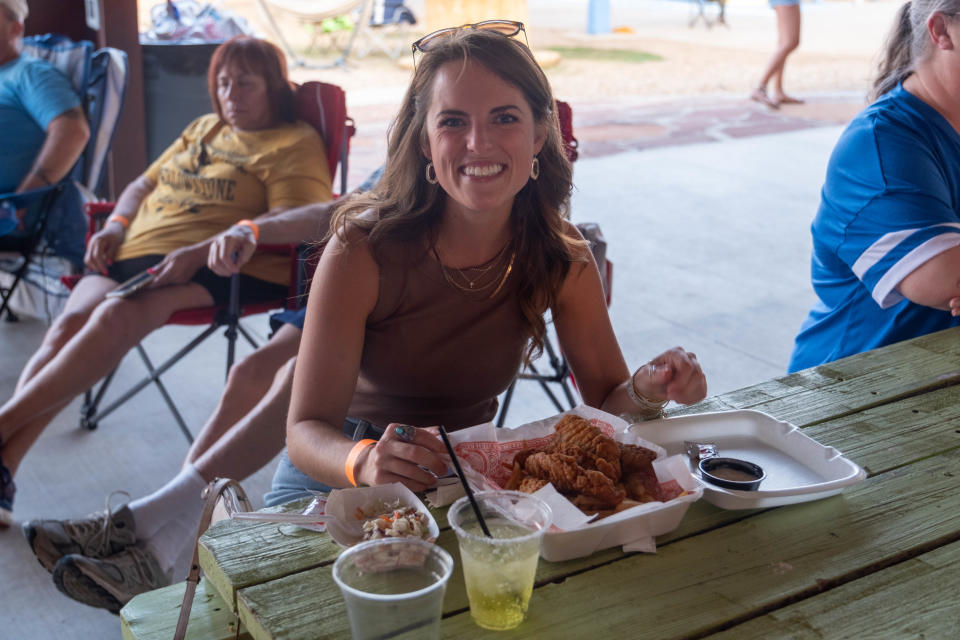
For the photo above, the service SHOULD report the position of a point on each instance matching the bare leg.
(114, 327)
(247, 383)
(254, 439)
(84, 298)
(788, 28)
(788, 39)
(167, 519)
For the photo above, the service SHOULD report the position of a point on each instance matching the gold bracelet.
(648, 408)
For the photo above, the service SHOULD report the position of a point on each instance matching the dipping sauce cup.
(393, 586)
(732, 473)
(499, 571)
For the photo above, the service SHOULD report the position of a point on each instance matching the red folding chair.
(324, 107)
(557, 371)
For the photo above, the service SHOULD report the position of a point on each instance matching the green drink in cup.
(499, 570)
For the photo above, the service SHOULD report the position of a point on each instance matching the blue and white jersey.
(891, 202)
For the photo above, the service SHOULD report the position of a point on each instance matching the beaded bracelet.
(253, 226)
(352, 458)
(119, 219)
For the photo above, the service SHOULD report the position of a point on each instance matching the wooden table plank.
(849, 385)
(902, 601)
(153, 615)
(896, 434)
(760, 563)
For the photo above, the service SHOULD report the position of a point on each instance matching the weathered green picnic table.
(880, 560)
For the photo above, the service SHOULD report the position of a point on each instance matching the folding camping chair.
(321, 105)
(54, 220)
(700, 6)
(369, 18)
(558, 370)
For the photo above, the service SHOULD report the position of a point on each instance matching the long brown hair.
(409, 208)
(908, 42)
(262, 58)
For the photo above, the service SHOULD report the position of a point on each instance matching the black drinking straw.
(463, 481)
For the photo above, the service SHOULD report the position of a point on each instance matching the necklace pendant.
(471, 284)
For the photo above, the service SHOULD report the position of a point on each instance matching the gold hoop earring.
(432, 179)
(535, 168)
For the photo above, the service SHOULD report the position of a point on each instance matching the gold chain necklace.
(474, 286)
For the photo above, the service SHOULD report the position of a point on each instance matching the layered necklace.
(492, 274)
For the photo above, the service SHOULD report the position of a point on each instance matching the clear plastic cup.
(393, 586)
(499, 570)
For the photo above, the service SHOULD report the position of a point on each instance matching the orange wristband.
(123, 222)
(253, 227)
(352, 458)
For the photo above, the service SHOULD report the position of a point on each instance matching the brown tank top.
(434, 355)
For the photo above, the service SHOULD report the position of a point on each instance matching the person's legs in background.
(788, 39)
(154, 535)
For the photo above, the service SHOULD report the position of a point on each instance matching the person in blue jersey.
(886, 240)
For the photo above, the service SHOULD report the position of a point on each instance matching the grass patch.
(612, 55)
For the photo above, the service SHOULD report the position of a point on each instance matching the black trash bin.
(175, 90)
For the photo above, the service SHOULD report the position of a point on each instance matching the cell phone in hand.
(133, 285)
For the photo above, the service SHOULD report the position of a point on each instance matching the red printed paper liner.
(486, 454)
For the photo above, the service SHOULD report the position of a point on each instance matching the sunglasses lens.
(427, 41)
(508, 29)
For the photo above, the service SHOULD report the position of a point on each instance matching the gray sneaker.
(98, 535)
(111, 582)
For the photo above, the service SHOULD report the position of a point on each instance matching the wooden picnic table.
(882, 559)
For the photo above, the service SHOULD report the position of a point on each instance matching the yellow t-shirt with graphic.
(214, 176)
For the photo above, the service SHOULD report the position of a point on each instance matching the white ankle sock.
(172, 546)
(179, 501)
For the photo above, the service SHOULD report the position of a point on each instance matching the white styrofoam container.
(798, 468)
(637, 523)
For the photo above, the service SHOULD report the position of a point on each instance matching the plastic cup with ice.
(499, 570)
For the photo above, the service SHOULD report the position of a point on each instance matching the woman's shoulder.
(298, 131)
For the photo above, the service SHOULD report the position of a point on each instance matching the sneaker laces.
(101, 538)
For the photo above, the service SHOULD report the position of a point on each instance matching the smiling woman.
(432, 289)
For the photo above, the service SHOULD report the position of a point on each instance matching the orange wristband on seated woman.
(119, 219)
(253, 226)
(352, 458)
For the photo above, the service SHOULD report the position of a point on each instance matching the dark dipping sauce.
(728, 473)
(731, 473)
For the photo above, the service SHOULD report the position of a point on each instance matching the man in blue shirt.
(43, 124)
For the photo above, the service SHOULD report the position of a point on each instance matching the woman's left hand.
(673, 375)
(179, 266)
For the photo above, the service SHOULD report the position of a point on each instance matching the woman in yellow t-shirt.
(250, 157)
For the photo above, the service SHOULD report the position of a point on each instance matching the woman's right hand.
(413, 461)
(103, 246)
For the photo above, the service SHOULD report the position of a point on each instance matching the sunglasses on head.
(506, 28)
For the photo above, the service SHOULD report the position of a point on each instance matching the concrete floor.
(710, 244)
